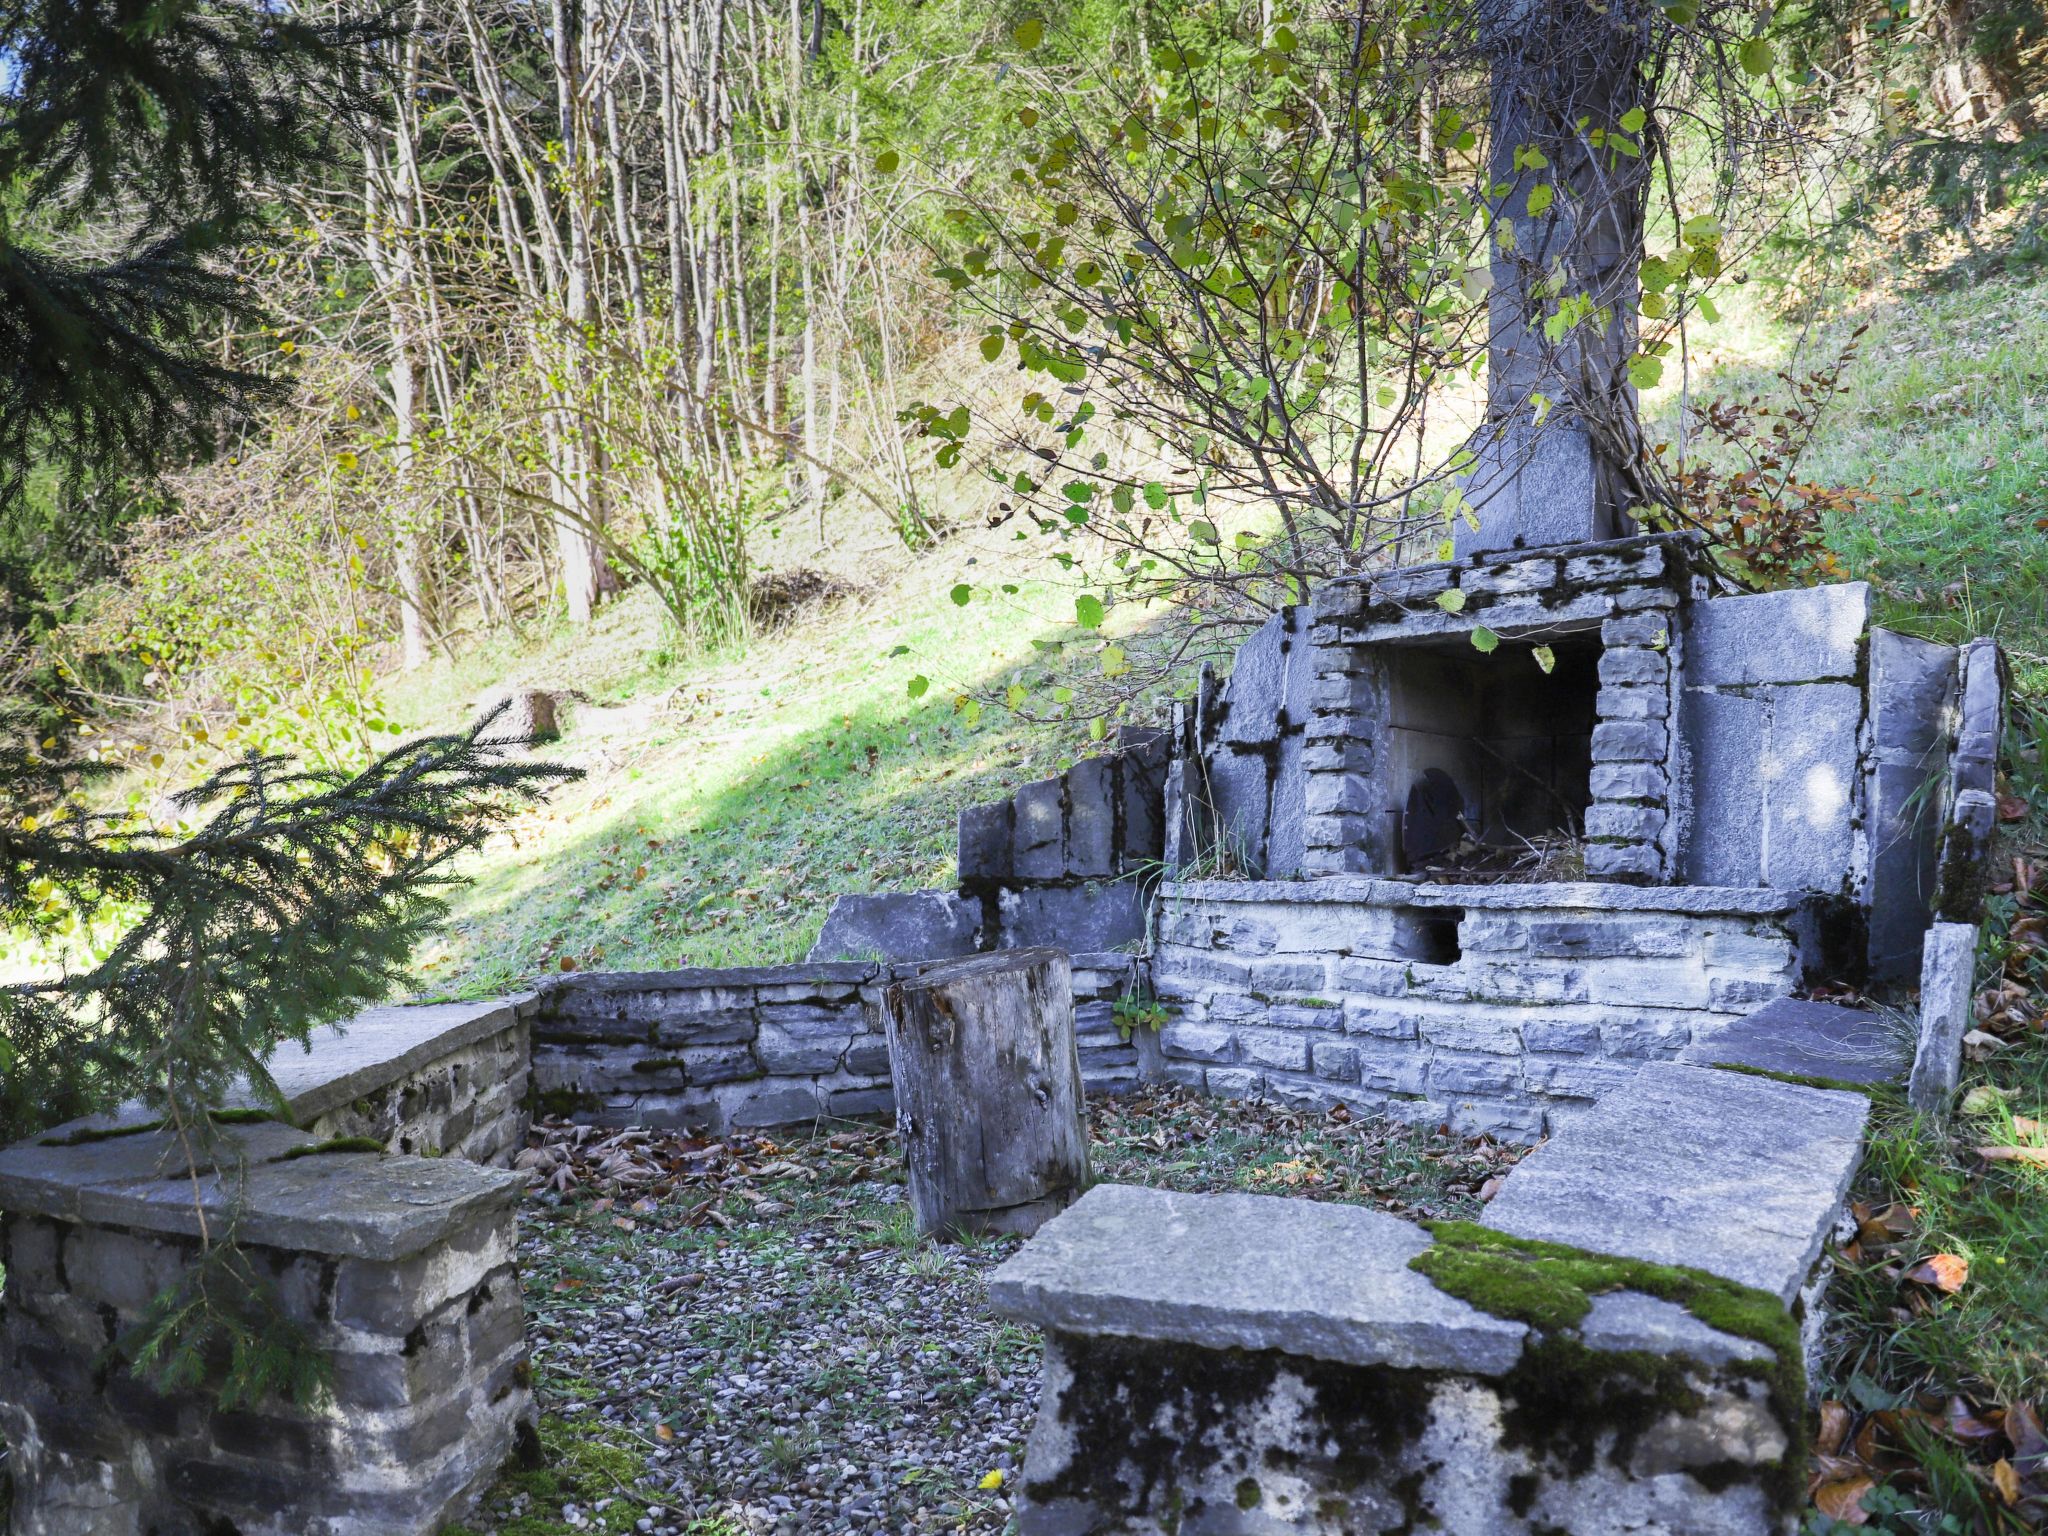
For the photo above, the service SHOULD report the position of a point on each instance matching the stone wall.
(777, 1045)
(439, 1079)
(399, 1269)
(1498, 1009)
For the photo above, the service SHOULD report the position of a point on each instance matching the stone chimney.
(1564, 76)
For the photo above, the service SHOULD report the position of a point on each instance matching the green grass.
(728, 803)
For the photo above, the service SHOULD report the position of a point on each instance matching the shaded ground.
(748, 1335)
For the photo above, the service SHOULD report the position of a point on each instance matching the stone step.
(1796, 1038)
(1738, 1175)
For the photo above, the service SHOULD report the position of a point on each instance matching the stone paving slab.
(1230, 1271)
(1737, 1175)
(352, 1204)
(1808, 1039)
(378, 1047)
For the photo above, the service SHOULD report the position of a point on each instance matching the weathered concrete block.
(1810, 783)
(1947, 992)
(1187, 1041)
(899, 925)
(1076, 918)
(985, 852)
(1796, 1038)
(1795, 636)
(1091, 818)
(1039, 831)
(1629, 781)
(1629, 741)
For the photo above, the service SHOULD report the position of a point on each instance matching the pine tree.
(137, 141)
(300, 896)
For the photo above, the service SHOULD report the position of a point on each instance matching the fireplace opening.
(1489, 756)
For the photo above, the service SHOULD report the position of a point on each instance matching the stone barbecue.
(1467, 842)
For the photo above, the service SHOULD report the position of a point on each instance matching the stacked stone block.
(748, 1048)
(1498, 1010)
(399, 1269)
(1626, 591)
(1628, 822)
(1973, 784)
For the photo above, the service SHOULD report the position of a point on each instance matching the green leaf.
(1029, 34)
(1088, 611)
(1451, 600)
(1484, 640)
(961, 595)
(1633, 119)
(887, 161)
(1113, 662)
(1546, 658)
(1644, 371)
(917, 685)
(1155, 496)
(1540, 198)
(1097, 729)
(1756, 56)
(1202, 531)
(992, 345)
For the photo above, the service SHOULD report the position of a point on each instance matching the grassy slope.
(728, 801)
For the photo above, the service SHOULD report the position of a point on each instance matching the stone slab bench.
(1793, 1037)
(1737, 1175)
(399, 1270)
(1248, 1363)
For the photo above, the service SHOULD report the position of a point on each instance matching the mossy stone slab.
(1257, 1272)
(1737, 1175)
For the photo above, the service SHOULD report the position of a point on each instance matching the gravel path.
(746, 1336)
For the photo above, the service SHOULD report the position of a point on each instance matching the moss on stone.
(1579, 1392)
(85, 1135)
(1800, 1079)
(334, 1144)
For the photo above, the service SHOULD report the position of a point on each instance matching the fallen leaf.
(664, 1432)
(1977, 1044)
(2033, 1157)
(1944, 1271)
(2007, 1481)
(2011, 808)
(1843, 1500)
(2026, 1127)
(1984, 1098)
(1962, 1422)
(1834, 1428)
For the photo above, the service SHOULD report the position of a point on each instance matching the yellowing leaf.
(1546, 658)
(1948, 1272)
(1451, 600)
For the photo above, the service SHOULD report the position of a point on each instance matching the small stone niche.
(1487, 748)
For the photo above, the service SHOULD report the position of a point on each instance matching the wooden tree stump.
(988, 1091)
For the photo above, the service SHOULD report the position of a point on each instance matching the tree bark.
(988, 1091)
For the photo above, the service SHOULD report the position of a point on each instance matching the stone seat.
(1738, 1175)
(1223, 1365)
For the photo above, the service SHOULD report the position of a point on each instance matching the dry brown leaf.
(1944, 1271)
(2025, 1126)
(2007, 1481)
(1834, 1428)
(1843, 1499)
(2033, 1157)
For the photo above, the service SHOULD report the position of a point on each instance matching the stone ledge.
(1734, 901)
(366, 1205)
(1737, 1175)
(1256, 1272)
(379, 1047)
(839, 971)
